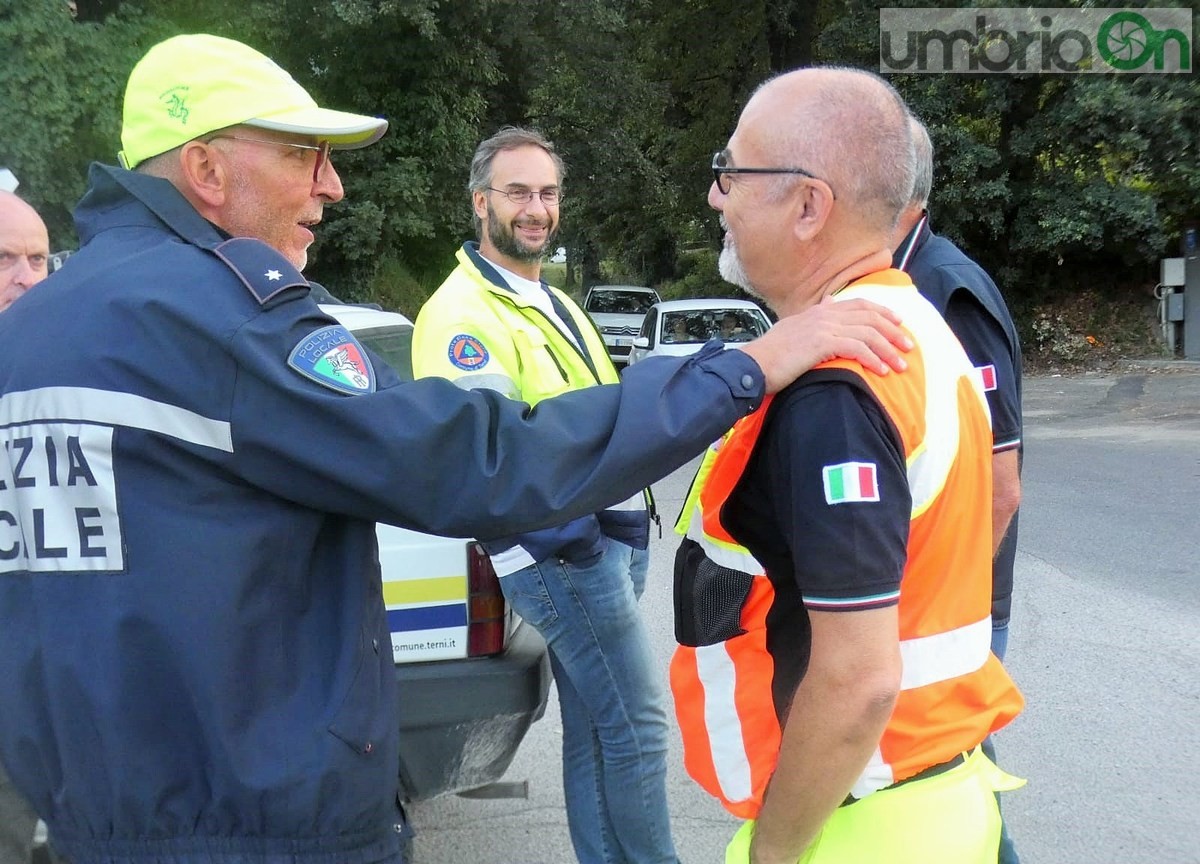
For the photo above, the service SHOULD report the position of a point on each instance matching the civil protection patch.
(331, 356)
(467, 352)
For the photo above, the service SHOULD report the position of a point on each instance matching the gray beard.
(730, 267)
(507, 244)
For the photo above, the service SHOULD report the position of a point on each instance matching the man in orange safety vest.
(834, 678)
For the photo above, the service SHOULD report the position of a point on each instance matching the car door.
(648, 332)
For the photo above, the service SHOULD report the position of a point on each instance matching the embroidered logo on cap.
(176, 101)
(330, 356)
(467, 352)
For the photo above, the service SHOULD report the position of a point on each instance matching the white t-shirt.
(537, 296)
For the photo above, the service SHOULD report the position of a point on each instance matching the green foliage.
(425, 65)
(1052, 182)
(555, 274)
(58, 85)
(394, 287)
(698, 277)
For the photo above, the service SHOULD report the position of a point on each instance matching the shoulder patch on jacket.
(467, 352)
(263, 270)
(332, 357)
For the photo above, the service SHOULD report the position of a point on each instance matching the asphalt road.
(1103, 644)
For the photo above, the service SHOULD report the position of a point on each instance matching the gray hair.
(508, 138)
(163, 165)
(922, 164)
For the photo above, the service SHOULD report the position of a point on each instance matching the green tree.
(1053, 182)
(424, 65)
(59, 84)
(1050, 181)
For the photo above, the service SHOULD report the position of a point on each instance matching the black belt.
(931, 771)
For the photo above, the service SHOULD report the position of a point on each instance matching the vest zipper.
(559, 366)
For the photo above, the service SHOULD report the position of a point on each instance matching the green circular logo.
(1126, 40)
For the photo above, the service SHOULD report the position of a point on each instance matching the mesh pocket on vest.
(708, 598)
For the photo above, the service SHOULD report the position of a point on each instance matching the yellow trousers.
(950, 818)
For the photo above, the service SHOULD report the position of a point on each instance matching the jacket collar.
(488, 271)
(912, 244)
(119, 197)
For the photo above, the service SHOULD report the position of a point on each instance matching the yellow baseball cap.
(188, 86)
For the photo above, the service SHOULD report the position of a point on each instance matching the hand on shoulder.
(853, 329)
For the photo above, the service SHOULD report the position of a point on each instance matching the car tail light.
(487, 613)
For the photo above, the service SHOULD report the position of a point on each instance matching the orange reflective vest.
(954, 692)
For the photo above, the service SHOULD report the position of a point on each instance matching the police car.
(472, 676)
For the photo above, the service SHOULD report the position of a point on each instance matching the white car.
(617, 311)
(677, 328)
(472, 676)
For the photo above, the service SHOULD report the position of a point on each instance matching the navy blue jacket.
(194, 661)
(973, 306)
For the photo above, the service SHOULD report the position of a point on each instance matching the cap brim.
(344, 131)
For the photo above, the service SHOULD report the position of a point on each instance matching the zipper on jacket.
(569, 339)
(652, 511)
(559, 366)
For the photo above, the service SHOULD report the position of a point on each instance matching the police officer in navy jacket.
(193, 662)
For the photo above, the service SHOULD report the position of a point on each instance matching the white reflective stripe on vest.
(942, 656)
(930, 465)
(732, 557)
(930, 660)
(945, 362)
(718, 676)
(113, 408)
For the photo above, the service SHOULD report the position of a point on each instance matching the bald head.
(847, 126)
(24, 248)
(812, 184)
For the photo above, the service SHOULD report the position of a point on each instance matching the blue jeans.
(1008, 852)
(613, 716)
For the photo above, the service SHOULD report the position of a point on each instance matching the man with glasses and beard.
(495, 324)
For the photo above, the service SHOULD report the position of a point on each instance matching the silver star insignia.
(274, 275)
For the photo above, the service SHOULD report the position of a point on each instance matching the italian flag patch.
(850, 482)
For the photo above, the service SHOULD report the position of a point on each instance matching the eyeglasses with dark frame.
(721, 167)
(551, 196)
(322, 149)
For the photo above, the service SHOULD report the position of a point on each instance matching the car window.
(393, 344)
(685, 328)
(739, 325)
(621, 302)
(649, 324)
